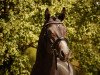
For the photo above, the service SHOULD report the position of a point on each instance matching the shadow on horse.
(53, 52)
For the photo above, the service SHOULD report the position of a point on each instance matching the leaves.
(19, 34)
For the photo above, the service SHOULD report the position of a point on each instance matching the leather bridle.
(54, 44)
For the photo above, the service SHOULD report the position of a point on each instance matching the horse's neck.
(43, 60)
(54, 66)
(46, 62)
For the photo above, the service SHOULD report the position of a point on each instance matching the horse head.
(55, 34)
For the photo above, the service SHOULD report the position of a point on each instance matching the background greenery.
(20, 25)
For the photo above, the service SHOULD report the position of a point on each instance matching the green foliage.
(20, 28)
(31, 53)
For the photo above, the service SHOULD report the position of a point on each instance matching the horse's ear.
(47, 14)
(62, 14)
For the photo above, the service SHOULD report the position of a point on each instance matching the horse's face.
(56, 34)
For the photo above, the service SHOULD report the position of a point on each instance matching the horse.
(52, 51)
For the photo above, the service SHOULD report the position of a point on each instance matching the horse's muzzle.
(63, 56)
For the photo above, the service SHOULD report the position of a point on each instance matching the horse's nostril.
(62, 56)
(62, 53)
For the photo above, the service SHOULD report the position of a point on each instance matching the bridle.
(59, 38)
(54, 44)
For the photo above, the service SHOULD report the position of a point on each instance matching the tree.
(20, 29)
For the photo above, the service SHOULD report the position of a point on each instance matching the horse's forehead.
(58, 29)
(55, 28)
(52, 27)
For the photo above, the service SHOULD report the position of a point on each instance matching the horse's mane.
(41, 52)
